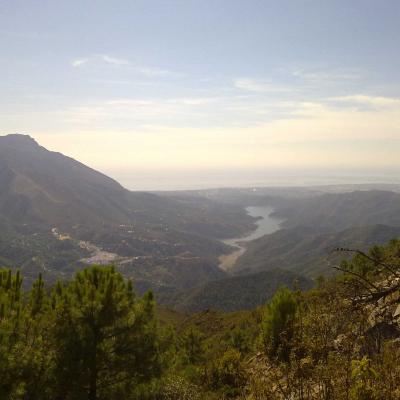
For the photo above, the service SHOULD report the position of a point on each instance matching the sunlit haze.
(185, 94)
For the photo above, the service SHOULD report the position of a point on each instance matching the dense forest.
(93, 338)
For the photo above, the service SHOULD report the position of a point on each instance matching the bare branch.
(390, 268)
(359, 276)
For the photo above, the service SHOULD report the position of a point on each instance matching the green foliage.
(100, 327)
(88, 339)
(191, 345)
(345, 341)
(240, 339)
(363, 376)
(307, 251)
(93, 339)
(242, 292)
(278, 323)
(25, 359)
(226, 374)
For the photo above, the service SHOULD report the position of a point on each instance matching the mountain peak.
(18, 139)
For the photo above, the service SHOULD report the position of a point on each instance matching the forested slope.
(237, 292)
(308, 252)
(92, 338)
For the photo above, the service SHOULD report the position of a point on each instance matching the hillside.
(308, 252)
(45, 187)
(58, 215)
(339, 211)
(236, 293)
(46, 196)
(341, 338)
(40, 186)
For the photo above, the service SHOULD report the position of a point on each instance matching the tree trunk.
(93, 368)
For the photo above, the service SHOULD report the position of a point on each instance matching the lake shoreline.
(266, 224)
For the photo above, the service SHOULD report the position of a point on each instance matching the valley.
(266, 224)
(58, 216)
(200, 200)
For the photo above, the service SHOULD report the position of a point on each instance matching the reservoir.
(266, 224)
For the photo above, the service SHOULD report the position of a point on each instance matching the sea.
(189, 179)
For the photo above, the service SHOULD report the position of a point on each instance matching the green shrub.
(278, 324)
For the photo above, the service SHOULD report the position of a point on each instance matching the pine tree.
(106, 339)
(10, 331)
(278, 324)
(25, 351)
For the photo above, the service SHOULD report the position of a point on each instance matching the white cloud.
(326, 76)
(241, 131)
(299, 81)
(260, 86)
(374, 101)
(321, 123)
(121, 62)
(317, 136)
(114, 61)
(79, 62)
(104, 58)
(134, 112)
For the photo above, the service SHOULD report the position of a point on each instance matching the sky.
(205, 85)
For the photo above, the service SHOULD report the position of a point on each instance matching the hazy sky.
(205, 84)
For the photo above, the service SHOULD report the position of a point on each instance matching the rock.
(396, 313)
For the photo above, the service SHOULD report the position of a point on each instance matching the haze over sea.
(190, 179)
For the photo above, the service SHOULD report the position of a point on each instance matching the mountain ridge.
(44, 190)
(308, 251)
